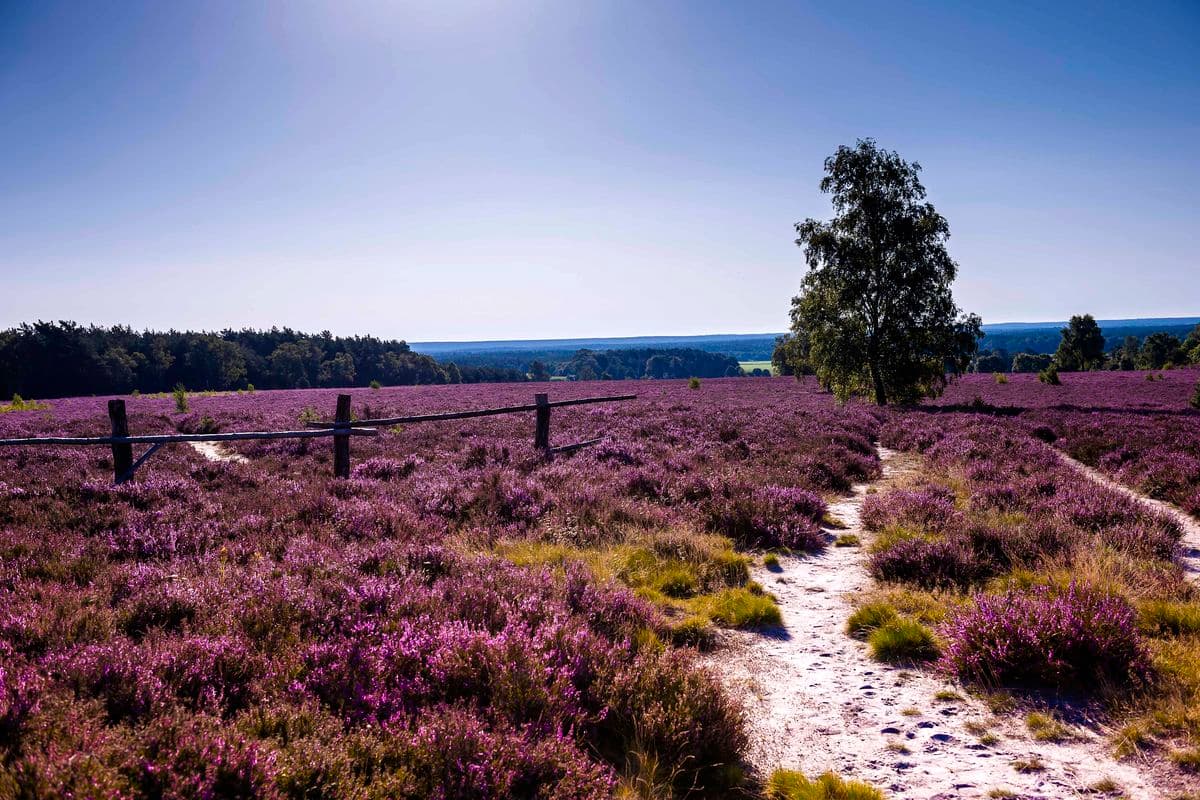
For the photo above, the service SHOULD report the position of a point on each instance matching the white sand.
(214, 451)
(815, 700)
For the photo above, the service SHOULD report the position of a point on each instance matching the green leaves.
(875, 306)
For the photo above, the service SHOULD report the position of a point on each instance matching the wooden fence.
(340, 430)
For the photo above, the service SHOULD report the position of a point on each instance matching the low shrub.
(693, 383)
(786, 784)
(181, 398)
(903, 641)
(1049, 376)
(1194, 401)
(1165, 617)
(744, 608)
(1000, 378)
(929, 509)
(931, 564)
(1076, 638)
(868, 618)
(768, 516)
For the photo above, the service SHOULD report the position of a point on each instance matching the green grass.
(1165, 617)
(743, 608)
(870, 617)
(20, 404)
(903, 640)
(1045, 728)
(847, 540)
(752, 365)
(786, 784)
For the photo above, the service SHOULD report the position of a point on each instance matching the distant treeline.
(1046, 340)
(63, 359)
(48, 359)
(1101, 350)
(587, 365)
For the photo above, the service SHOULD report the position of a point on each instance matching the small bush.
(1045, 728)
(771, 562)
(375, 385)
(869, 618)
(1194, 402)
(943, 563)
(693, 383)
(743, 608)
(181, 398)
(1166, 617)
(1049, 376)
(786, 784)
(250, 388)
(768, 516)
(903, 640)
(1000, 378)
(1079, 637)
(847, 540)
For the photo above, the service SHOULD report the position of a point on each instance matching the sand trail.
(815, 700)
(214, 451)
(1189, 545)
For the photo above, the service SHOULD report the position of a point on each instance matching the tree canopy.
(1082, 345)
(876, 305)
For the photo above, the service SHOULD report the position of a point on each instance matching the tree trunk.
(877, 379)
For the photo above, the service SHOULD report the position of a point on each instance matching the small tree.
(876, 303)
(1082, 345)
(538, 371)
(181, 398)
(1160, 349)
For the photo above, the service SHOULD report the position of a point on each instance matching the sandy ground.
(214, 451)
(1189, 545)
(816, 701)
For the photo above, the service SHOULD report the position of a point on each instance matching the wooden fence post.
(122, 453)
(541, 433)
(341, 442)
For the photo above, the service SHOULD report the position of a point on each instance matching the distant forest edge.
(63, 359)
(1014, 337)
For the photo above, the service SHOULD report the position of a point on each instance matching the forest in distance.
(47, 359)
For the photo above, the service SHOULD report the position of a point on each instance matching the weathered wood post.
(541, 433)
(341, 442)
(122, 451)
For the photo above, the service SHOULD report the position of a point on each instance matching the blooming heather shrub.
(194, 758)
(1079, 637)
(929, 509)
(658, 706)
(1093, 507)
(20, 688)
(386, 469)
(768, 516)
(932, 564)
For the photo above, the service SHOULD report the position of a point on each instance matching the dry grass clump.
(791, 785)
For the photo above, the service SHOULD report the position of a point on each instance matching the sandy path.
(213, 451)
(1189, 556)
(816, 701)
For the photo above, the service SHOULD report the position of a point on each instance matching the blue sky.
(462, 169)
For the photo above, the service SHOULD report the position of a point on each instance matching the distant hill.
(1030, 337)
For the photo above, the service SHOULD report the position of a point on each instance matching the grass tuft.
(869, 618)
(903, 640)
(790, 785)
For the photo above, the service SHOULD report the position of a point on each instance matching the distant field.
(753, 365)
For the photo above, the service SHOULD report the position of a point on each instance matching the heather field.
(465, 617)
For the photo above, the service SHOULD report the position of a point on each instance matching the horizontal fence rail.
(168, 438)
(340, 430)
(482, 412)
